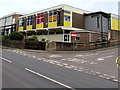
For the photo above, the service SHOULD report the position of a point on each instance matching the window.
(13, 21)
(54, 12)
(53, 16)
(3, 22)
(0, 22)
(40, 18)
(50, 13)
(8, 20)
(21, 22)
(58, 18)
(68, 12)
(50, 19)
(66, 18)
(98, 22)
(78, 37)
(29, 20)
(66, 38)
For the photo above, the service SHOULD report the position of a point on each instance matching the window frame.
(40, 18)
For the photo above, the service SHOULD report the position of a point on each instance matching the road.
(20, 71)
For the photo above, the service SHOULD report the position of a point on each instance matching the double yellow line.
(118, 62)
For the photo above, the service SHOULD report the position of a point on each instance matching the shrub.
(33, 38)
(16, 36)
(6, 37)
(43, 40)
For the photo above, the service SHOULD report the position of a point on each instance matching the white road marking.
(102, 58)
(65, 64)
(98, 73)
(91, 54)
(6, 60)
(115, 80)
(34, 56)
(20, 52)
(24, 54)
(49, 79)
(68, 67)
(93, 63)
(80, 70)
(55, 56)
(102, 76)
(59, 64)
(78, 55)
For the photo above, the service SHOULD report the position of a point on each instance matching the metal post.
(26, 33)
(35, 32)
(63, 35)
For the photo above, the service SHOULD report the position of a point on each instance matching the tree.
(16, 36)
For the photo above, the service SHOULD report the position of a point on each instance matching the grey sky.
(29, 6)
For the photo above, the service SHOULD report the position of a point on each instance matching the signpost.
(73, 36)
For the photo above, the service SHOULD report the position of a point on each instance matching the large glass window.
(8, 20)
(66, 38)
(29, 20)
(3, 22)
(13, 21)
(66, 18)
(68, 12)
(21, 22)
(40, 18)
(53, 16)
(0, 22)
(98, 22)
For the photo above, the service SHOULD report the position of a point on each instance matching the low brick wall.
(60, 46)
(24, 44)
(13, 44)
(35, 45)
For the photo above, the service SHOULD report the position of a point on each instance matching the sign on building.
(73, 34)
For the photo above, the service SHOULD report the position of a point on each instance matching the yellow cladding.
(52, 24)
(29, 27)
(67, 14)
(20, 28)
(67, 23)
(38, 26)
(115, 24)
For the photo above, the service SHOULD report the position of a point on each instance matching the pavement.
(23, 69)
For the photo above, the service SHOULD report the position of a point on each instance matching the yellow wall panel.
(29, 27)
(66, 23)
(38, 26)
(52, 24)
(115, 24)
(20, 28)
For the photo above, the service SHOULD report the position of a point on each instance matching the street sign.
(73, 34)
